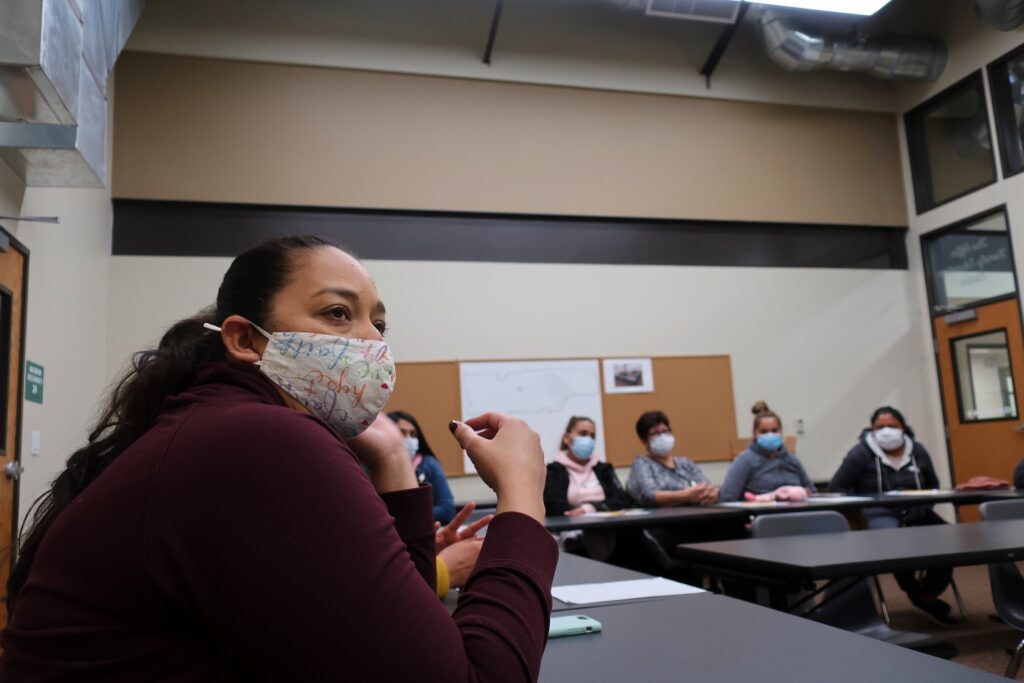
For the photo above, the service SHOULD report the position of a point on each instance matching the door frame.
(924, 239)
(17, 245)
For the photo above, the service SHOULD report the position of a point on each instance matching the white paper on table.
(916, 492)
(616, 513)
(610, 591)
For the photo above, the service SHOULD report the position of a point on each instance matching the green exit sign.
(33, 382)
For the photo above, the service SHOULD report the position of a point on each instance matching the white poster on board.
(628, 376)
(544, 393)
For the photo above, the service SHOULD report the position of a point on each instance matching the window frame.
(956, 376)
(917, 145)
(1010, 139)
(928, 237)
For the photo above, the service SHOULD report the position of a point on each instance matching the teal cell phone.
(573, 625)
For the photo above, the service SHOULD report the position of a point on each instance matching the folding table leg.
(959, 598)
(881, 600)
(1011, 670)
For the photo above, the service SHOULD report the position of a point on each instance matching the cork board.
(694, 391)
(430, 391)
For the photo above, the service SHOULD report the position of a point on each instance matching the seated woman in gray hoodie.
(766, 470)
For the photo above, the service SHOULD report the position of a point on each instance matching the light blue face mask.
(770, 441)
(583, 446)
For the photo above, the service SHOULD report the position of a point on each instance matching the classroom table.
(649, 518)
(830, 502)
(844, 559)
(860, 553)
(714, 638)
(573, 569)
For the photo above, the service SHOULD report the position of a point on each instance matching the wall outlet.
(799, 425)
(36, 442)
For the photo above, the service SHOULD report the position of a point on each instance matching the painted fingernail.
(452, 426)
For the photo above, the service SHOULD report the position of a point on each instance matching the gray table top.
(655, 517)
(831, 502)
(862, 553)
(573, 569)
(714, 638)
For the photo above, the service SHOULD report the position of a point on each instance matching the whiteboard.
(544, 393)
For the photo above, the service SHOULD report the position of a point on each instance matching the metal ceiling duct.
(895, 57)
(1004, 15)
(55, 57)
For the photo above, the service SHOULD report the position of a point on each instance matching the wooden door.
(981, 357)
(13, 279)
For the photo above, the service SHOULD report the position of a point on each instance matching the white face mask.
(344, 382)
(889, 438)
(662, 444)
(412, 444)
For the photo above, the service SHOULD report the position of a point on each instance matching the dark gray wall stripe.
(162, 228)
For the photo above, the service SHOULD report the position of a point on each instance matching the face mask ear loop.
(259, 329)
(262, 331)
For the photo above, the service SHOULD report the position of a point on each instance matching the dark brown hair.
(573, 421)
(762, 411)
(251, 282)
(650, 420)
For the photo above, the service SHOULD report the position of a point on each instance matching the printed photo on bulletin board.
(628, 376)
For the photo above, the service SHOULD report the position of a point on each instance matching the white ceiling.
(576, 43)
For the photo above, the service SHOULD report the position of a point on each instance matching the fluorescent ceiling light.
(865, 7)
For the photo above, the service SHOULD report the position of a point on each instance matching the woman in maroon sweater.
(216, 527)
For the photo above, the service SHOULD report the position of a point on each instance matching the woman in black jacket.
(577, 482)
(887, 458)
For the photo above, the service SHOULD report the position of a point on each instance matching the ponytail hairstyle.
(762, 411)
(889, 410)
(573, 421)
(248, 287)
(425, 448)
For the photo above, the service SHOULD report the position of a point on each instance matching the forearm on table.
(664, 499)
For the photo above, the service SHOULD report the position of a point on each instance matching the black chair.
(660, 542)
(1007, 582)
(849, 603)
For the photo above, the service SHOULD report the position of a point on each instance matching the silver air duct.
(895, 57)
(55, 56)
(1004, 15)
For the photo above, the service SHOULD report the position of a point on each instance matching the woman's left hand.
(381, 449)
(449, 534)
(460, 558)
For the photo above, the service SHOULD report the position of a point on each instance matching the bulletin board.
(694, 391)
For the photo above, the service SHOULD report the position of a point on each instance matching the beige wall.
(571, 43)
(66, 324)
(203, 129)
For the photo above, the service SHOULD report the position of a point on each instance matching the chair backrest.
(798, 523)
(996, 510)
(1004, 577)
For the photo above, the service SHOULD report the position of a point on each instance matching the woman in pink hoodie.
(577, 481)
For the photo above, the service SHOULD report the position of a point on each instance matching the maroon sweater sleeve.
(266, 529)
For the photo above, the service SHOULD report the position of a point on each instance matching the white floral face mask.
(345, 382)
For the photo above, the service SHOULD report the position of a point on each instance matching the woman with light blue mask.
(426, 465)
(766, 470)
(577, 482)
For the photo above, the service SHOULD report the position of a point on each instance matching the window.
(984, 380)
(969, 262)
(950, 144)
(1006, 80)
